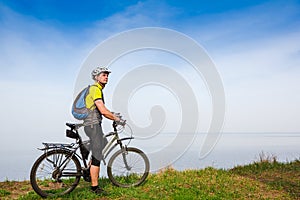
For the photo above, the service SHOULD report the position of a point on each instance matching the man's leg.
(95, 134)
(94, 170)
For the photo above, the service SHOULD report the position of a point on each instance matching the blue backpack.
(79, 109)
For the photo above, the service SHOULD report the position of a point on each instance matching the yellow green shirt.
(95, 93)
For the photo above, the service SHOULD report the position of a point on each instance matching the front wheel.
(55, 173)
(128, 167)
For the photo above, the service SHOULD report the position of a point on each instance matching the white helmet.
(98, 71)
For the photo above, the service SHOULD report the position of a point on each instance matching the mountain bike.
(58, 170)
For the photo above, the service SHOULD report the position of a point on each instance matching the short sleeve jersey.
(95, 93)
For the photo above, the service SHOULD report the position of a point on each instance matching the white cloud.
(261, 80)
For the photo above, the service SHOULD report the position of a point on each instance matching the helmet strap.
(102, 84)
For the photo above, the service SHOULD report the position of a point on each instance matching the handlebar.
(122, 122)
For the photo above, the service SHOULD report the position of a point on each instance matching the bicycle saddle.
(71, 125)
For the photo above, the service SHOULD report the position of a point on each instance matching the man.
(93, 129)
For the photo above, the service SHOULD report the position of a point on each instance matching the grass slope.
(260, 180)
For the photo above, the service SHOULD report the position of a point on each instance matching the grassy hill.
(261, 180)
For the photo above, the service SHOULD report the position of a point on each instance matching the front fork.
(124, 155)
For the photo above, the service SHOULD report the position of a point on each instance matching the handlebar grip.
(121, 122)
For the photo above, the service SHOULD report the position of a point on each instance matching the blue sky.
(85, 13)
(255, 46)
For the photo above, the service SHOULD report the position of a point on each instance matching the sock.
(94, 187)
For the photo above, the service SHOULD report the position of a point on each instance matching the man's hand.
(119, 120)
(116, 119)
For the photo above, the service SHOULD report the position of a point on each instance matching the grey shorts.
(97, 142)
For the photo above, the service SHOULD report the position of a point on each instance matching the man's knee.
(95, 161)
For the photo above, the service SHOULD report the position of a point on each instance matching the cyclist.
(93, 129)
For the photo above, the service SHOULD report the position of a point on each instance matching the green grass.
(260, 180)
(4, 193)
(279, 176)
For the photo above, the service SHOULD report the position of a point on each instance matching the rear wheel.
(55, 173)
(128, 167)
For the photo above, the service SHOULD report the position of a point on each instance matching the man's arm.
(104, 111)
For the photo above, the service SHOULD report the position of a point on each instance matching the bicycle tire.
(122, 176)
(46, 185)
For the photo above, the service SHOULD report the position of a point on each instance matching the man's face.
(102, 78)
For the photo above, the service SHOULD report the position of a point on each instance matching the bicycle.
(58, 170)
